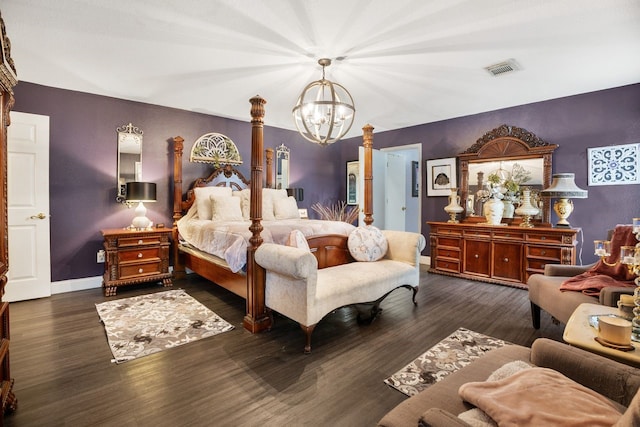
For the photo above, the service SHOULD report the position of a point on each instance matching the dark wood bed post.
(269, 159)
(368, 173)
(178, 265)
(256, 318)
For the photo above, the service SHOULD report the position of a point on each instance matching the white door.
(396, 192)
(378, 164)
(29, 274)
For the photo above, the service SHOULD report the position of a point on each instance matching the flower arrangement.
(507, 189)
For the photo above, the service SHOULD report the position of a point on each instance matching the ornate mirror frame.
(506, 143)
(129, 158)
(282, 166)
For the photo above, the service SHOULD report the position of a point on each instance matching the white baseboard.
(76, 285)
(425, 260)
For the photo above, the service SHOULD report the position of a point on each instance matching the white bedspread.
(229, 240)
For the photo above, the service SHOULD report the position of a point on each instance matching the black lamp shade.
(141, 191)
(297, 193)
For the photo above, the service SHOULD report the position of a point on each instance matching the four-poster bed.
(249, 285)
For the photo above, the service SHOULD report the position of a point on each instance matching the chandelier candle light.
(630, 256)
(325, 111)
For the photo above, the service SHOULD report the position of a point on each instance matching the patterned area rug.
(452, 353)
(147, 324)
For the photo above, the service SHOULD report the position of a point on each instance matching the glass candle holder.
(602, 247)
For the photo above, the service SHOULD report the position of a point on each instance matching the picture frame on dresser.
(441, 176)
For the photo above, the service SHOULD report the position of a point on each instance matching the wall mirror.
(282, 166)
(129, 158)
(505, 151)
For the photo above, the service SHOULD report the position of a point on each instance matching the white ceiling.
(406, 62)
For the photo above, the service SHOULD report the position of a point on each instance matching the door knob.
(404, 208)
(39, 216)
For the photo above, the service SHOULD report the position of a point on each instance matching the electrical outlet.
(100, 256)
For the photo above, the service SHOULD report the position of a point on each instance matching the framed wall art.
(353, 170)
(441, 176)
(614, 165)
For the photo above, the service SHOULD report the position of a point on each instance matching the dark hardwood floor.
(64, 376)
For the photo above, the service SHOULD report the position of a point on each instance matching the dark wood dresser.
(8, 80)
(135, 256)
(498, 254)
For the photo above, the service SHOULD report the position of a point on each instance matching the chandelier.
(324, 112)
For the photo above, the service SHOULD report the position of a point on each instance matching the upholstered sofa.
(440, 404)
(545, 293)
(297, 288)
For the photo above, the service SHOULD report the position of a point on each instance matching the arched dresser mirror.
(129, 158)
(282, 166)
(501, 151)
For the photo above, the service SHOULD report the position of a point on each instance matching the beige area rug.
(148, 324)
(452, 353)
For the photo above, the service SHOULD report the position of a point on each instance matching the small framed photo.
(353, 171)
(441, 176)
(304, 214)
(614, 165)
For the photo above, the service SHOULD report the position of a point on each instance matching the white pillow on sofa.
(225, 208)
(367, 243)
(286, 208)
(203, 203)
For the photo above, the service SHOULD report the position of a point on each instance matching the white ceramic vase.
(526, 209)
(493, 209)
(508, 209)
(453, 207)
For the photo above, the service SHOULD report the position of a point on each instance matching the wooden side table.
(135, 256)
(580, 333)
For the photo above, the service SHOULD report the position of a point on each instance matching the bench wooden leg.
(308, 330)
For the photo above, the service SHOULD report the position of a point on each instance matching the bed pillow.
(269, 195)
(225, 208)
(297, 240)
(203, 203)
(367, 243)
(286, 208)
(245, 202)
(540, 396)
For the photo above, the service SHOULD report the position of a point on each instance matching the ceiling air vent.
(502, 68)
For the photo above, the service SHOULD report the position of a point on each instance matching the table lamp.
(564, 188)
(141, 192)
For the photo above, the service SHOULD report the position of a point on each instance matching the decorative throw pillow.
(367, 243)
(225, 208)
(297, 240)
(268, 197)
(286, 208)
(203, 203)
(245, 202)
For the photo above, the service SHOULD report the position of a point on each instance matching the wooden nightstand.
(135, 256)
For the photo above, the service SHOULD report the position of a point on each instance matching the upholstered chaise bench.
(298, 287)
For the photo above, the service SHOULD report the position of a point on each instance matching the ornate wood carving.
(507, 142)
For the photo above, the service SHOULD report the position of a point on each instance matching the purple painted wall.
(83, 162)
(83, 159)
(608, 117)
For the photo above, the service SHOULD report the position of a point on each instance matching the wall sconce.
(297, 193)
(564, 188)
(141, 192)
